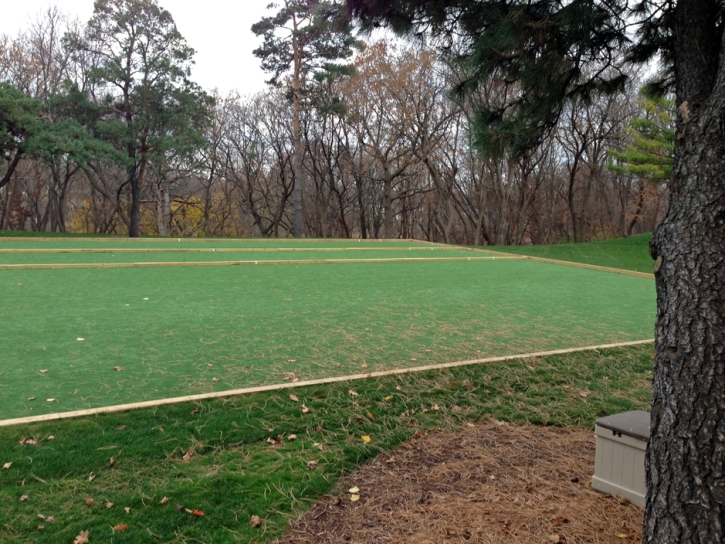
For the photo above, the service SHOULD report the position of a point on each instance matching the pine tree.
(303, 42)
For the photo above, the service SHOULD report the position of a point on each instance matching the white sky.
(219, 31)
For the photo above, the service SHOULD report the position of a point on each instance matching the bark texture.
(686, 453)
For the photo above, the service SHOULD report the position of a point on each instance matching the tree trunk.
(297, 137)
(685, 459)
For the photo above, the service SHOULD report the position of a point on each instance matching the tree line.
(104, 132)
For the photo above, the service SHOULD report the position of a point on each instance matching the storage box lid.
(634, 424)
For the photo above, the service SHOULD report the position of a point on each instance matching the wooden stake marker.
(281, 387)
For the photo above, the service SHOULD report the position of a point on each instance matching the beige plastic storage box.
(621, 443)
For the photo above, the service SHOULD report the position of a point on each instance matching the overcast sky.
(219, 31)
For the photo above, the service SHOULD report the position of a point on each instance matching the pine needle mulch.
(490, 483)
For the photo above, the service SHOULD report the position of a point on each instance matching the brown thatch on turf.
(487, 483)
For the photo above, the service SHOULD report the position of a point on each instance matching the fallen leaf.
(146, 298)
(42, 371)
(50, 400)
(354, 498)
(319, 428)
(194, 411)
(121, 427)
(109, 505)
(292, 437)
(256, 521)
(398, 388)
(312, 465)
(50, 519)
(435, 408)
(89, 501)
(355, 489)
(188, 456)
(557, 538)
(530, 367)
(120, 527)
(214, 380)
(82, 538)
(584, 394)
(370, 416)
(111, 461)
(31, 442)
(24, 498)
(413, 359)
(51, 438)
(7, 466)
(366, 439)
(31, 398)
(91, 477)
(621, 535)
(389, 398)
(41, 527)
(304, 409)
(352, 393)
(197, 513)
(164, 500)
(456, 408)
(291, 360)
(80, 339)
(294, 398)
(127, 509)
(364, 365)
(118, 368)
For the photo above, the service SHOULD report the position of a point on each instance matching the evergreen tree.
(302, 42)
(141, 76)
(19, 124)
(544, 51)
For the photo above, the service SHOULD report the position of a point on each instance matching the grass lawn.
(626, 253)
(187, 330)
(235, 473)
(233, 459)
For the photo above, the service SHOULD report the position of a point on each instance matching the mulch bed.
(484, 483)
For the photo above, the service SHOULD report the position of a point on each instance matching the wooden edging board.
(59, 266)
(281, 387)
(221, 249)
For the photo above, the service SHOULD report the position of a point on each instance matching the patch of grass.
(186, 330)
(235, 473)
(625, 253)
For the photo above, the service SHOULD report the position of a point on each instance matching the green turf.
(236, 474)
(246, 326)
(209, 256)
(626, 253)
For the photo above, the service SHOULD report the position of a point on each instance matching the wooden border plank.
(154, 264)
(323, 381)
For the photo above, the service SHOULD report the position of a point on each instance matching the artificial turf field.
(183, 330)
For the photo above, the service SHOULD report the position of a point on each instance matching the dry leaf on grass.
(370, 416)
(294, 398)
(127, 509)
(31, 398)
(89, 501)
(82, 538)
(214, 380)
(366, 439)
(7, 466)
(109, 505)
(120, 527)
(42, 371)
(41, 527)
(91, 477)
(197, 513)
(353, 393)
(121, 427)
(164, 500)
(291, 360)
(312, 465)
(256, 521)
(304, 409)
(355, 489)
(24, 498)
(111, 461)
(118, 368)
(194, 411)
(51, 438)
(292, 437)
(188, 456)
(354, 497)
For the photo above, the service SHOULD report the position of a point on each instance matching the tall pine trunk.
(686, 453)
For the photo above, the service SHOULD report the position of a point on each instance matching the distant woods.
(103, 132)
